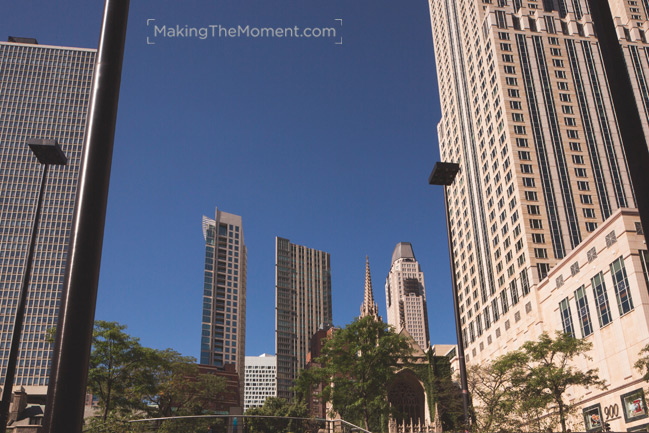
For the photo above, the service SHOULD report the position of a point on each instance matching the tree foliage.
(129, 379)
(278, 407)
(493, 399)
(642, 364)
(357, 363)
(541, 372)
(119, 374)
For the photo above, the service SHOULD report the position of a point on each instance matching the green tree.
(493, 398)
(642, 364)
(179, 387)
(541, 372)
(119, 374)
(357, 364)
(278, 407)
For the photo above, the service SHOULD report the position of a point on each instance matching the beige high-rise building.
(526, 113)
(302, 306)
(405, 295)
(223, 329)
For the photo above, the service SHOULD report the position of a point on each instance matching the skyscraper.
(223, 334)
(405, 295)
(526, 113)
(44, 93)
(302, 304)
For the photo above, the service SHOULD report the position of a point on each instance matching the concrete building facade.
(526, 113)
(405, 295)
(223, 333)
(44, 93)
(302, 305)
(261, 380)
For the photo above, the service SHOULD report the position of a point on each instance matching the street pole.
(69, 372)
(7, 391)
(444, 174)
(48, 152)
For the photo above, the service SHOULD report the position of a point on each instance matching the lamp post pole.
(69, 372)
(444, 174)
(47, 152)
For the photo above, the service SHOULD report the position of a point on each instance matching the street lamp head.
(47, 151)
(443, 173)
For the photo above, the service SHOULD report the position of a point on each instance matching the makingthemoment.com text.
(219, 31)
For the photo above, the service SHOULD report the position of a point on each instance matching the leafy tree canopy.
(357, 363)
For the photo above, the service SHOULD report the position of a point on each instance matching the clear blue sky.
(327, 145)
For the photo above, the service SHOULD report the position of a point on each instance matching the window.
(536, 224)
(570, 121)
(494, 308)
(586, 199)
(567, 109)
(582, 312)
(543, 269)
(538, 238)
(527, 169)
(601, 300)
(564, 97)
(589, 213)
(522, 142)
(634, 406)
(582, 185)
(540, 253)
(513, 93)
(503, 301)
(513, 291)
(518, 117)
(515, 105)
(621, 284)
(525, 283)
(566, 318)
(529, 182)
(590, 226)
(531, 196)
(578, 159)
(511, 81)
(508, 58)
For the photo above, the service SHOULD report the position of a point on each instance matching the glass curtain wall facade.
(44, 93)
(302, 304)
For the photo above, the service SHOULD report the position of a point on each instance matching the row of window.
(600, 296)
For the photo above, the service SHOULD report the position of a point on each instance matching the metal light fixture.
(48, 152)
(444, 174)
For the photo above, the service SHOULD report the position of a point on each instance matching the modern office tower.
(369, 307)
(261, 380)
(526, 113)
(405, 295)
(223, 336)
(44, 93)
(302, 305)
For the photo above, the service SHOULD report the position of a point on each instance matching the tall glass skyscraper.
(302, 304)
(223, 335)
(44, 93)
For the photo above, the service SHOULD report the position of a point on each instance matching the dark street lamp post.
(444, 174)
(48, 152)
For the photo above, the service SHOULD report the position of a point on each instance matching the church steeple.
(369, 307)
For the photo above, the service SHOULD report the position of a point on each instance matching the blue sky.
(329, 145)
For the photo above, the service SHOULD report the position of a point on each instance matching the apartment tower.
(223, 333)
(302, 305)
(405, 295)
(44, 93)
(527, 114)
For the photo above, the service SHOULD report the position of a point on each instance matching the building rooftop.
(403, 250)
